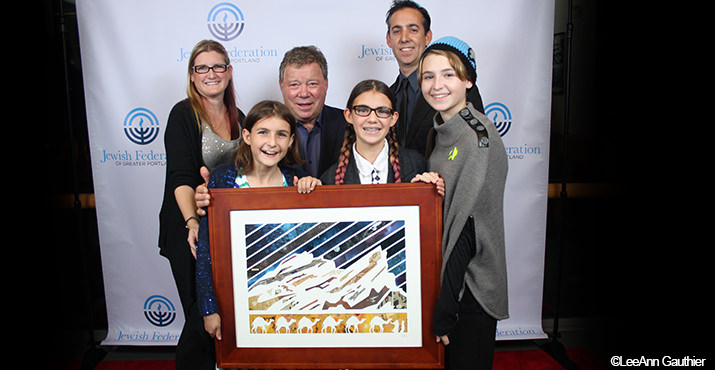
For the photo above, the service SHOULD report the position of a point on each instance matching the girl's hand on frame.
(431, 178)
(212, 325)
(306, 184)
(443, 338)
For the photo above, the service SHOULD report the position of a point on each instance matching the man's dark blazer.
(332, 135)
(422, 116)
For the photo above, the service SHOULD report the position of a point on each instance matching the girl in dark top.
(370, 153)
(265, 158)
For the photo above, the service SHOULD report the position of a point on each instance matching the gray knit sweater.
(474, 178)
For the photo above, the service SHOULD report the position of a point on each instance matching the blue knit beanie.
(461, 49)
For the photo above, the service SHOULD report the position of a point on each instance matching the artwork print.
(336, 277)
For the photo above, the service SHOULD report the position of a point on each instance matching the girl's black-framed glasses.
(364, 111)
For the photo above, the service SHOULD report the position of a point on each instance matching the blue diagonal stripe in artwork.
(396, 260)
(254, 232)
(251, 228)
(401, 281)
(395, 243)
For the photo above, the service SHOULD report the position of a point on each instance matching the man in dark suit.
(408, 34)
(303, 82)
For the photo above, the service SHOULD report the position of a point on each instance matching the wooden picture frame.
(296, 283)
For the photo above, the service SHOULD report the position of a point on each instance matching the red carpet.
(540, 360)
(136, 365)
(503, 360)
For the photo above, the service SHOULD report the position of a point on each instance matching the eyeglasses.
(364, 111)
(218, 68)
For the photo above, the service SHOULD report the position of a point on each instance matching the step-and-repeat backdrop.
(134, 60)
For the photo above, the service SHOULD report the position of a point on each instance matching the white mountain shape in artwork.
(303, 282)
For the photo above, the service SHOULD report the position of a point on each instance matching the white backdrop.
(134, 63)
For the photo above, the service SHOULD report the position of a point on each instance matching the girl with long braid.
(370, 153)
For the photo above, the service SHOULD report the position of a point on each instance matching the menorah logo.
(225, 21)
(141, 126)
(159, 311)
(500, 115)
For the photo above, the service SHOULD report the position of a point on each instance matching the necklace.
(222, 127)
(275, 178)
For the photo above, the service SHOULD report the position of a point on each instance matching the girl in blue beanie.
(468, 153)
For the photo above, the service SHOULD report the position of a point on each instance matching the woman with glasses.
(202, 130)
(370, 153)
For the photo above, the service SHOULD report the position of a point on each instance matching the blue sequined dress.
(224, 177)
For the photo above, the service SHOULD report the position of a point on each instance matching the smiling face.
(370, 130)
(211, 85)
(407, 38)
(442, 87)
(304, 89)
(270, 139)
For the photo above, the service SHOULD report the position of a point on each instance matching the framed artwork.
(343, 277)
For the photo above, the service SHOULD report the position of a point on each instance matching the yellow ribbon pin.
(453, 154)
